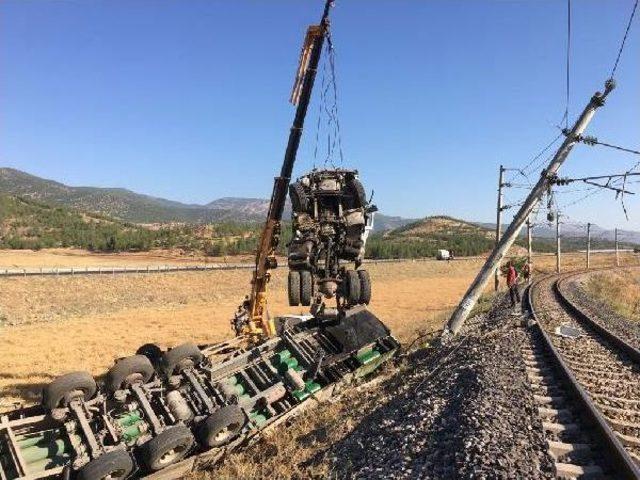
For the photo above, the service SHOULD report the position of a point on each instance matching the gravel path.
(464, 410)
(574, 290)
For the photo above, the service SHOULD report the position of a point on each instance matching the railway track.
(587, 388)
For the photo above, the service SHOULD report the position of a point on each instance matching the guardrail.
(54, 271)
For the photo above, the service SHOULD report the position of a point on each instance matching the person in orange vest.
(512, 283)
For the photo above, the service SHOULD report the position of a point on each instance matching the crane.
(252, 317)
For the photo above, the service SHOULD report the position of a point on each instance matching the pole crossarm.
(590, 181)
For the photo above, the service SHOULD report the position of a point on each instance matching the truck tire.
(353, 287)
(168, 448)
(181, 357)
(64, 389)
(357, 190)
(152, 351)
(113, 465)
(222, 426)
(365, 286)
(293, 287)
(306, 288)
(299, 198)
(127, 371)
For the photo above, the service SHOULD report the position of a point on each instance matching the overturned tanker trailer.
(160, 414)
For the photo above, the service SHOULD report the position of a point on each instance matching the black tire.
(66, 388)
(353, 287)
(306, 288)
(152, 351)
(365, 287)
(299, 198)
(293, 287)
(168, 448)
(359, 195)
(114, 465)
(181, 357)
(221, 427)
(127, 371)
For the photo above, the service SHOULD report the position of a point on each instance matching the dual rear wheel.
(358, 287)
(300, 288)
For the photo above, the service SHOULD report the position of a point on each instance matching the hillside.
(125, 204)
(425, 237)
(25, 223)
(29, 224)
(135, 207)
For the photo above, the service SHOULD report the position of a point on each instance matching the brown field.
(52, 325)
(73, 257)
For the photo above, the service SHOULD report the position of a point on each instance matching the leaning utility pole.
(499, 223)
(477, 287)
(588, 246)
(558, 242)
(617, 250)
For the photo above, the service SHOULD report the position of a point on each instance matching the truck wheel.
(128, 371)
(353, 287)
(357, 190)
(181, 357)
(299, 199)
(169, 447)
(66, 388)
(222, 426)
(113, 465)
(294, 288)
(306, 288)
(152, 351)
(365, 286)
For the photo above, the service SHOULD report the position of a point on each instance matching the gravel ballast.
(574, 290)
(462, 410)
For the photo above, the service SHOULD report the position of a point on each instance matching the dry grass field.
(73, 257)
(620, 289)
(52, 325)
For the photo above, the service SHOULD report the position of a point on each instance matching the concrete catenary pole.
(588, 246)
(558, 250)
(499, 224)
(617, 249)
(529, 247)
(470, 298)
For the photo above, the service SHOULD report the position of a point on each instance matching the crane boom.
(252, 317)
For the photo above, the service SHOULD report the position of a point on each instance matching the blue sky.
(188, 100)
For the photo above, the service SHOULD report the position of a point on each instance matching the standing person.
(526, 272)
(512, 283)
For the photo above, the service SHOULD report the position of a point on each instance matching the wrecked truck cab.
(331, 220)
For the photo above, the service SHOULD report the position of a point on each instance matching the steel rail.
(632, 352)
(619, 459)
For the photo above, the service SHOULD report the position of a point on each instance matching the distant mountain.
(125, 204)
(385, 223)
(135, 207)
(568, 230)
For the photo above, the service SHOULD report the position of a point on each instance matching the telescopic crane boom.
(252, 316)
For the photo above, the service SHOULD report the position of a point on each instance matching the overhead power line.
(591, 141)
(624, 39)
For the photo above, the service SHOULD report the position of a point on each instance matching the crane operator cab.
(331, 220)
